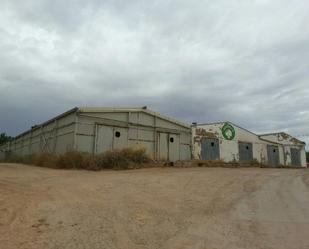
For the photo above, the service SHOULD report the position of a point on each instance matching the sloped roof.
(131, 109)
(283, 134)
(106, 109)
(261, 136)
(224, 122)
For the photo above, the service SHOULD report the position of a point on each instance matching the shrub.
(71, 160)
(45, 160)
(122, 159)
(77, 160)
(135, 155)
(117, 159)
(112, 160)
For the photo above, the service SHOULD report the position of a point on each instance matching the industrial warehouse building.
(229, 142)
(96, 130)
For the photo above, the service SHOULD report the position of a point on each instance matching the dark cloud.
(204, 61)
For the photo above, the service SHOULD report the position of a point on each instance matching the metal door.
(163, 146)
(120, 139)
(104, 138)
(110, 138)
(245, 152)
(210, 149)
(295, 157)
(173, 147)
(273, 155)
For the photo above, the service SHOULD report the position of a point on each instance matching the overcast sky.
(246, 61)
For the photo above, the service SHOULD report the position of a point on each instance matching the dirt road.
(195, 208)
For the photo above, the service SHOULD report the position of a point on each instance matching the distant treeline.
(4, 138)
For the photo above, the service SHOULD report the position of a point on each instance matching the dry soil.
(158, 208)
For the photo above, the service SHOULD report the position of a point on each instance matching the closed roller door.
(273, 155)
(245, 152)
(210, 149)
(295, 157)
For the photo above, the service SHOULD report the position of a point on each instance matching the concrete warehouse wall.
(137, 128)
(55, 136)
(95, 130)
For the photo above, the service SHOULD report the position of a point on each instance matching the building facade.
(229, 142)
(96, 130)
(292, 150)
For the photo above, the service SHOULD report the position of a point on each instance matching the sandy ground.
(206, 208)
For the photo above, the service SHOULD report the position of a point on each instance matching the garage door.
(162, 146)
(273, 155)
(173, 147)
(210, 149)
(245, 152)
(168, 146)
(109, 138)
(295, 157)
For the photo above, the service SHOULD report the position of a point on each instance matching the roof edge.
(35, 127)
(224, 122)
(133, 109)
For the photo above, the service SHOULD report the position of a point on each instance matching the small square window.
(117, 134)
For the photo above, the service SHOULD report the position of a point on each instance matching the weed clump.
(122, 159)
(116, 159)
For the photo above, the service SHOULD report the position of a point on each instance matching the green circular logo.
(228, 131)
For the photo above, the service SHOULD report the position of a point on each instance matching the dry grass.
(116, 159)
(122, 159)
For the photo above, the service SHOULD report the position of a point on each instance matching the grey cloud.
(204, 61)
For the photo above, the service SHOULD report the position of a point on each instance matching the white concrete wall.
(229, 148)
(287, 143)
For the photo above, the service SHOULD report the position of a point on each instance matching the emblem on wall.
(228, 131)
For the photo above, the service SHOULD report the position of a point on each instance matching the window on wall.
(172, 140)
(212, 144)
(117, 134)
